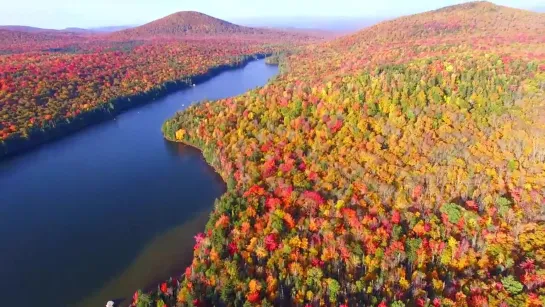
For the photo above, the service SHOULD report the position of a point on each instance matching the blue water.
(76, 212)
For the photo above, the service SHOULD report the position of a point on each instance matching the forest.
(51, 79)
(403, 165)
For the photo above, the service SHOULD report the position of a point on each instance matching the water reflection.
(166, 256)
(174, 149)
(76, 212)
(179, 149)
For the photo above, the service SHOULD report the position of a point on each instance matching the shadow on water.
(111, 209)
(166, 256)
(182, 151)
(169, 253)
(179, 149)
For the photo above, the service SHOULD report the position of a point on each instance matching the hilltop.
(181, 25)
(57, 78)
(17, 37)
(69, 29)
(25, 29)
(184, 24)
(481, 25)
(187, 24)
(28, 29)
(399, 166)
(475, 18)
(462, 21)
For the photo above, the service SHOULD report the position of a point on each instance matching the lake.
(110, 209)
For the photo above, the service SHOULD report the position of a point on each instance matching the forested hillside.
(403, 165)
(184, 23)
(195, 24)
(52, 78)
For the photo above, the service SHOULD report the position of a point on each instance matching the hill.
(25, 29)
(28, 29)
(184, 24)
(399, 166)
(55, 79)
(480, 18)
(188, 24)
(460, 21)
(14, 37)
(480, 24)
(22, 39)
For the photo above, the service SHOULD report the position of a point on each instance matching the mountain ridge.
(462, 21)
(185, 23)
(482, 16)
(27, 29)
(399, 166)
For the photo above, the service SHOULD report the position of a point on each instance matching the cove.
(111, 208)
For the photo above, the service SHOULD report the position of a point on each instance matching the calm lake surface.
(110, 209)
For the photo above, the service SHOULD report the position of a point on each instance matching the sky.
(58, 14)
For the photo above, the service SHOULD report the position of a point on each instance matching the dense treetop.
(184, 23)
(51, 77)
(403, 165)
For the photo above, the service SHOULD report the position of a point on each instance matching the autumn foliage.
(50, 78)
(401, 166)
(189, 23)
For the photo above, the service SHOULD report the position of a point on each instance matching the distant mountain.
(15, 37)
(18, 37)
(306, 31)
(25, 29)
(330, 24)
(28, 29)
(110, 29)
(540, 9)
(77, 30)
(180, 24)
(186, 23)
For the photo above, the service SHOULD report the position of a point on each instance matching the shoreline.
(180, 233)
(185, 143)
(14, 146)
(179, 275)
(152, 287)
(205, 216)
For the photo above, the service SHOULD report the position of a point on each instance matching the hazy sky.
(95, 13)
